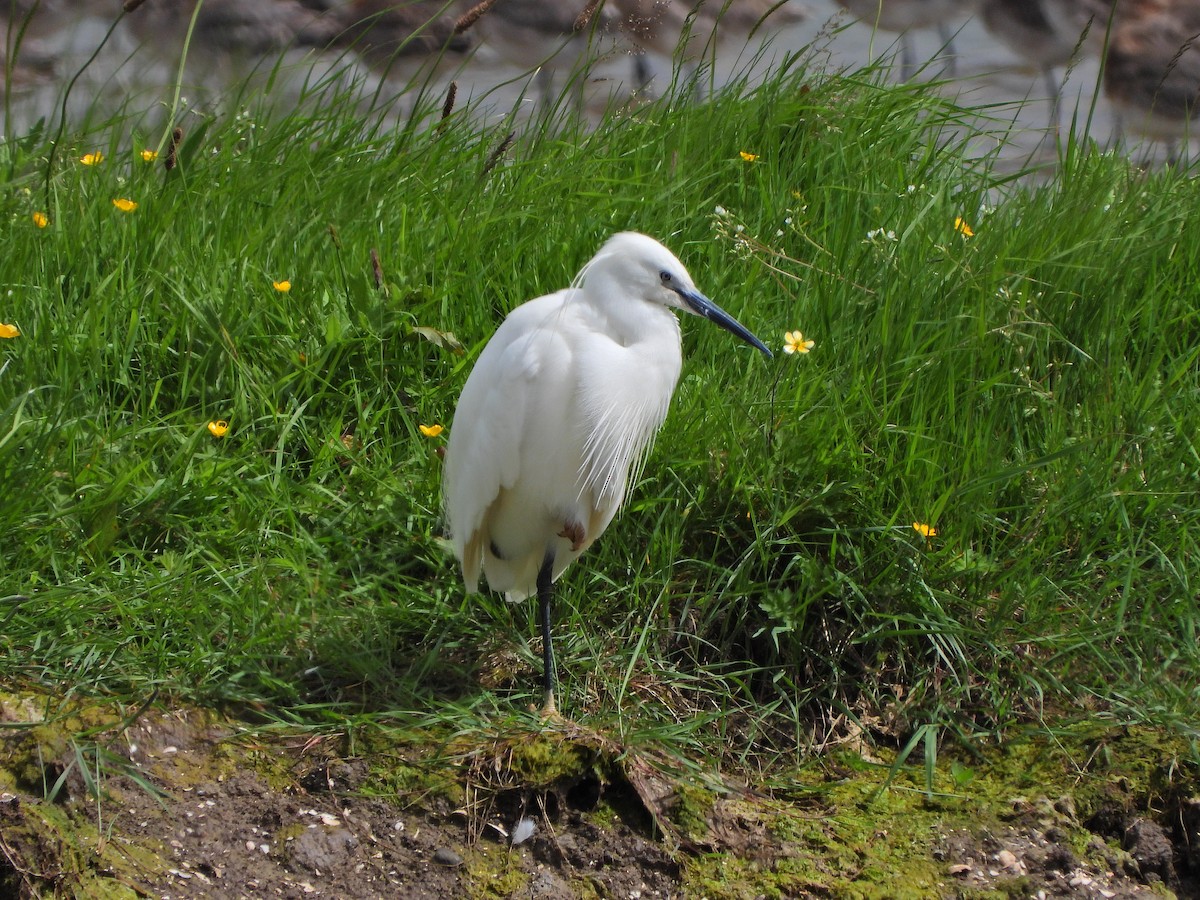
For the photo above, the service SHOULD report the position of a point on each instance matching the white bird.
(1026, 28)
(1090, 19)
(232, 26)
(557, 416)
(550, 38)
(902, 16)
(1152, 70)
(689, 30)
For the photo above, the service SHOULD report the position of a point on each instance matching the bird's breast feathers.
(623, 396)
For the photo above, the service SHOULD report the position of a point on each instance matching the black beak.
(702, 306)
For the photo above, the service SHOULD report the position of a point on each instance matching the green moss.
(494, 872)
(545, 759)
(604, 816)
(75, 857)
(400, 765)
(416, 785)
(286, 833)
(875, 837)
(693, 806)
(853, 828)
(1064, 777)
(1138, 767)
(428, 783)
(721, 877)
(40, 739)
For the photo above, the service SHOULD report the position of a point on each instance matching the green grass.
(1031, 391)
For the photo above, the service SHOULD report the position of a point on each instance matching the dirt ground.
(184, 804)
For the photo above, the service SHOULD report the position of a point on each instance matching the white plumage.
(559, 412)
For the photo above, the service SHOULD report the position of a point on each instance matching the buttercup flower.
(960, 225)
(125, 205)
(282, 286)
(748, 157)
(92, 159)
(40, 219)
(794, 342)
(219, 428)
(149, 155)
(431, 431)
(9, 331)
(925, 531)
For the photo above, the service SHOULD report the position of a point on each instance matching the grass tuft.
(1026, 390)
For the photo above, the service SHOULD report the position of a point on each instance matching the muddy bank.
(109, 802)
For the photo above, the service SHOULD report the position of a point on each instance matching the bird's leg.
(543, 79)
(947, 39)
(545, 592)
(908, 62)
(643, 74)
(1055, 91)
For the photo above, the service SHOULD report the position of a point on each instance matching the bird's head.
(634, 266)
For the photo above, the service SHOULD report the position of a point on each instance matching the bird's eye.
(665, 277)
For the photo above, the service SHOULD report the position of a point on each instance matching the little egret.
(1152, 70)
(1029, 32)
(558, 414)
(902, 16)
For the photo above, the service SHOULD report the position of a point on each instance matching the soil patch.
(182, 804)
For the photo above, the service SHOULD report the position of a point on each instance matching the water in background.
(138, 78)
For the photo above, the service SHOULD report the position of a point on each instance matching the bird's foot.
(573, 532)
(549, 712)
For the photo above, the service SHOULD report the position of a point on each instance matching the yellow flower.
(794, 342)
(431, 431)
(125, 205)
(9, 331)
(219, 428)
(960, 225)
(92, 159)
(149, 155)
(282, 286)
(748, 157)
(40, 219)
(925, 531)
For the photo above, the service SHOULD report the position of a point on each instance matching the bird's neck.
(629, 322)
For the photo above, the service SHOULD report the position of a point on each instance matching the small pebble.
(446, 857)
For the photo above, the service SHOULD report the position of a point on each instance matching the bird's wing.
(1151, 63)
(484, 453)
